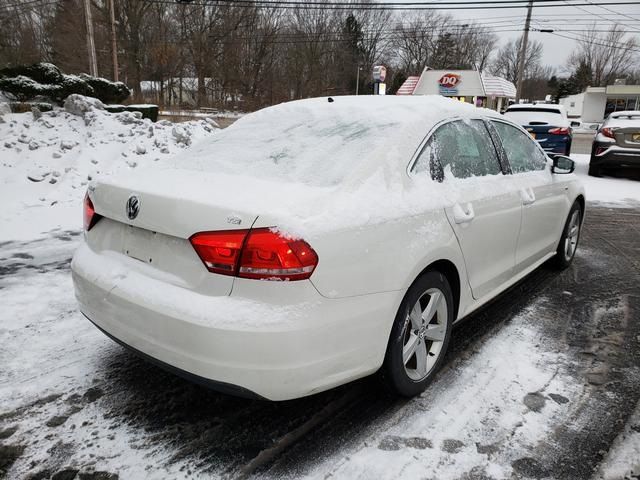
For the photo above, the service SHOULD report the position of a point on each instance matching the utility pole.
(523, 52)
(91, 44)
(358, 79)
(114, 45)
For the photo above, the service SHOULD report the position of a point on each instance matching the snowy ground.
(607, 191)
(542, 383)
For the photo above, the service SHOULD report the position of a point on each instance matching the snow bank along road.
(540, 384)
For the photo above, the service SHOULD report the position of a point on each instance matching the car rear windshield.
(320, 143)
(535, 116)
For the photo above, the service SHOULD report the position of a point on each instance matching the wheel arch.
(451, 273)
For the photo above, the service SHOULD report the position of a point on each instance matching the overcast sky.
(561, 19)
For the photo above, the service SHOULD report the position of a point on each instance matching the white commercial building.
(595, 103)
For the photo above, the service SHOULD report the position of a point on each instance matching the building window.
(619, 104)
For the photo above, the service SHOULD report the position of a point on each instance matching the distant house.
(468, 86)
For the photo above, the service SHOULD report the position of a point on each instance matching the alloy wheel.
(424, 333)
(573, 232)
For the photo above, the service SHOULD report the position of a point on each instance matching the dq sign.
(448, 83)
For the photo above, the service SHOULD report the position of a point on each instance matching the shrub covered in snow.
(40, 72)
(46, 80)
(105, 90)
(25, 88)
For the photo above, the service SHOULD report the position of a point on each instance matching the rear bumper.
(617, 158)
(562, 145)
(234, 344)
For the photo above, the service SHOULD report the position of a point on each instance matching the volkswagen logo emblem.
(133, 207)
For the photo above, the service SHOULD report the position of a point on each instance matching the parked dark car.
(547, 123)
(617, 144)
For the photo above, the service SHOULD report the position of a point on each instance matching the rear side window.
(460, 149)
(522, 152)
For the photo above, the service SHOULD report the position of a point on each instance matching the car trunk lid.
(628, 137)
(172, 205)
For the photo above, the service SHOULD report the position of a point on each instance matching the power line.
(595, 14)
(396, 6)
(609, 45)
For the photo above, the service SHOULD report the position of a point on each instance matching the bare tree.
(610, 54)
(506, 61)
(415, 37)
(249, 55)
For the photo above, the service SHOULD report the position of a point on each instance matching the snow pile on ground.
(623, 460)
(609, 191)
(46, 159)
(4, 106)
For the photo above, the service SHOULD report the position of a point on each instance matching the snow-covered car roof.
(625, 114)
(324, 141)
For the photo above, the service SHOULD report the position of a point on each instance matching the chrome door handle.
(463, 214)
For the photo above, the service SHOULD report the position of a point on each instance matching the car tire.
(570, 237)
(425, 334)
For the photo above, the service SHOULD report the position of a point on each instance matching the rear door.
(484, 217)
(543, 196)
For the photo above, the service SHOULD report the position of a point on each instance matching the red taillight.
(608, 132)
(269, 255)
(258, 254)
(220, 251)
(600, 150)
(559, 131)
(90, 216)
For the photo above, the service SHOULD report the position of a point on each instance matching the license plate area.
(140, 244)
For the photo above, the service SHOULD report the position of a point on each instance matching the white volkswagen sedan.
(320, 241)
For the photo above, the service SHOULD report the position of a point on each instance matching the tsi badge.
(133, 207)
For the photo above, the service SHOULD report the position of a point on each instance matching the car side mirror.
(562, 164)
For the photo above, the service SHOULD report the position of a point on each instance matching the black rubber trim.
(222, 387)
